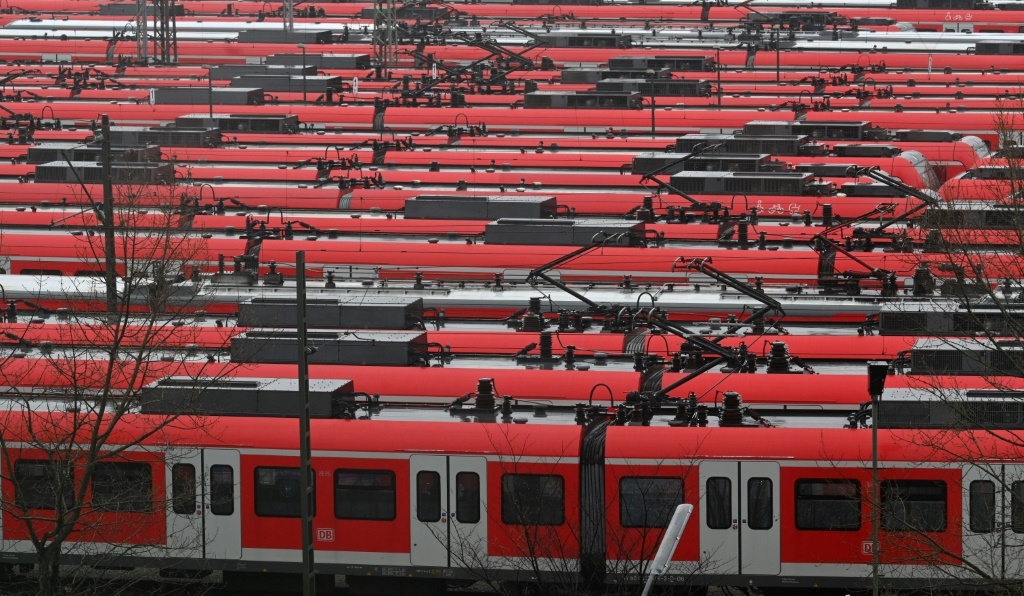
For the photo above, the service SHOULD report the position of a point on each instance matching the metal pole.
(305, 449)
(718, 73)
(209, 88)
(110, 259)
(778, 63)
(654, 130)
(877, 371)
(302, 47)
(875, 496)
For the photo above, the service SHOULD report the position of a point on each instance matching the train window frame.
(256, 493)
(45, 501)
(974, 510)
(718, 519)
(515, 489)
(853, 499)
(183, 490)
(222, 495)
(628, 516)
(890, 523)
(429, 508)
(756, 511)
(123, 501)
(1017, 506)
(377, 493)
(467, 499)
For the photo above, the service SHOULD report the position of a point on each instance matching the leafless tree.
(979, 266)
(78, 475)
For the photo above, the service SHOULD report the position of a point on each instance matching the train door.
(992, 533)
(739, 513)
(222, 514)
(1012, 521)
(448, 519)
(184, 490)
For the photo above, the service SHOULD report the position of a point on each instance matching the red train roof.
(672, 445)
(510, 440)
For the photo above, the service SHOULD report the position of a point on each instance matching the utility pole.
(385, 36)
(110, 267)
(141, 32)
(288, 15)
(165, 31)
(305, 449)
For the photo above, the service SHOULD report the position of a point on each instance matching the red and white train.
(413, 505)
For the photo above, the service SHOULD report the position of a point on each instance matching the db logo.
(867, 547)
(325, 534)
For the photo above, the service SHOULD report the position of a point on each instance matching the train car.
(46, 195)
(459, 300)
(458, 260)
(431, 502)
(794, 394)
(983, 183)
(81, 254)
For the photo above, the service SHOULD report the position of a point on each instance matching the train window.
(467, 497)
(364, 494)
(41, 272)
(222, 490)
(428, 496)
(279, 492)
(1017, 506)
(37, 482)
(648, 502)
(183, 488)
(532, 500)
(760, 504)
(828, 505)
(914, 505)
(983, 506)
(122, 487)
(719, 499)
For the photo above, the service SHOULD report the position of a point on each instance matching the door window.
(428, 496)
(719, 503)
(760, 504)
(983, 506)
(467, 497)
(222, 490)
(183, 488)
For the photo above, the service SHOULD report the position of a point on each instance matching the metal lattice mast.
(141, 32)
(288, 15)
(165, 32)
(385, 36)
